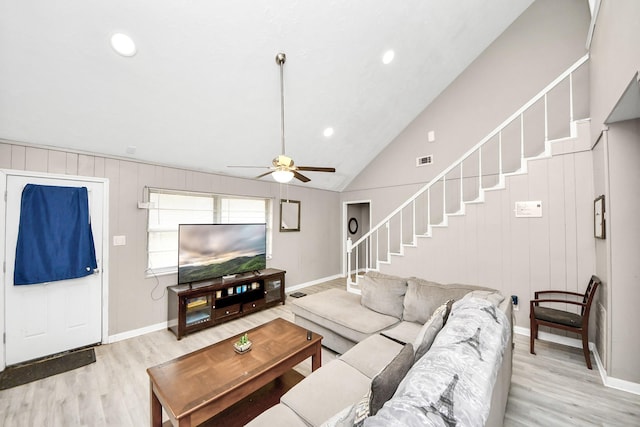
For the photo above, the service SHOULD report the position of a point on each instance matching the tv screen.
(209, 251)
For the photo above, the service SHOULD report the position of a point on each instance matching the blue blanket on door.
(55, 241)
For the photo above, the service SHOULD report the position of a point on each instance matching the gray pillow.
(383, 294)
(431, 328)
(423, 297)
(384, 384)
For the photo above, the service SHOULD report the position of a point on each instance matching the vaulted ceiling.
(202, 91)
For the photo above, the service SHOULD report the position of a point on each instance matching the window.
(169, 208)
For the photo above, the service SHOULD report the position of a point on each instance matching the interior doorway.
(356, 222)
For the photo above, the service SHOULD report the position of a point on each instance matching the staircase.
(527, 135)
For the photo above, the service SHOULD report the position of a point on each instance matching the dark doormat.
(14, 376)
(297, 294)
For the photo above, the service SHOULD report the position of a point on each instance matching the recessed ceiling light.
(328, 132)
(388, 57)
(123, 44)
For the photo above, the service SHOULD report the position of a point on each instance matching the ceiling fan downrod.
(281, 58)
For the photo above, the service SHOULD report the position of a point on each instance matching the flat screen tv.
(209, 251)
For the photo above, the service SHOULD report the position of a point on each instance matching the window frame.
(216, 215)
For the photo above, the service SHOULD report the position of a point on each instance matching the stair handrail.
(472, 150)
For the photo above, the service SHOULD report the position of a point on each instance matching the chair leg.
(533, 332)
(585, 349)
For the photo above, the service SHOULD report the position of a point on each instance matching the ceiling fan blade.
(252, 167)
(264, 174)
(300, 176)
(315, 169)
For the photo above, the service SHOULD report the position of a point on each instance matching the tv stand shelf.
(200, 305)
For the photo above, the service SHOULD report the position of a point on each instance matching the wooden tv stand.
(200, 305)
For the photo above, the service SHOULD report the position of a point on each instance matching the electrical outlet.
(119, 240)
(514, 301)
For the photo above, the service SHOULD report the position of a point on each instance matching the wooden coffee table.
(200, 385)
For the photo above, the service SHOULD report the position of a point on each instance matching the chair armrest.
(558, 292)
(536, 301)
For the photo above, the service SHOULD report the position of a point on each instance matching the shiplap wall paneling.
(5, 156)
(36, 159)
(559, 228)
(539, 254)
(584, 219)
(18, 157)
(519, 244)
(56, 162)
(503, 199)
(131, 220)
(468, 243)
(489, 240)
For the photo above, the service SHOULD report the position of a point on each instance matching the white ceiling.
(203, 90)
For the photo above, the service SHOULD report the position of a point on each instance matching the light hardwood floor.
(553, 388)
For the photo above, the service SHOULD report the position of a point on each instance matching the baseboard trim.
(546, 336)
(315, 282)
(607, 381)
(137, 332)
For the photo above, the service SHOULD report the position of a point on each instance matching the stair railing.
(364, 254)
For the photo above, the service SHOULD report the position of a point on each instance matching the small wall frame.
(599, 221)
(289, 215)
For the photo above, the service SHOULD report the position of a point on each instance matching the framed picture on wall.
(598, 218)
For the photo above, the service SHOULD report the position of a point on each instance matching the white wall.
(615, 58)
(624, 237)
(489, 246)
(136, 301)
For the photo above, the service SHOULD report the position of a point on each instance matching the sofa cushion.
(372, 355)
(386, 382)
(326, 391)
(430, 329)
(458, 373)
(278, 415)
(341, 312)
(403, 332)
(383, 293)
(495, 297)
(423, 297)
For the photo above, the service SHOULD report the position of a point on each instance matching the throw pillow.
(430, 329)
(383, 294)
(385, 384)
(352, 416)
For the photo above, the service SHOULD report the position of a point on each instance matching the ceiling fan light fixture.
(282, 176)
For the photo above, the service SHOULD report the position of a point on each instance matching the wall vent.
(424, 160)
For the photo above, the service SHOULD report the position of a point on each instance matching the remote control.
(309, 335)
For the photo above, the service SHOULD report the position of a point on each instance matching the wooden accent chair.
(568, 321)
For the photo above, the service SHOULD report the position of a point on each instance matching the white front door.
(48, 318)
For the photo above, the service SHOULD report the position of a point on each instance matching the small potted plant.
(243, 344)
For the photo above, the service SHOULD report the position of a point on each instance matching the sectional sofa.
(413, 352)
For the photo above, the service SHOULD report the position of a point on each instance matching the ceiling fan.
(283, 168)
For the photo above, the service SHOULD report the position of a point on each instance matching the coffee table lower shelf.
(256, 403)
